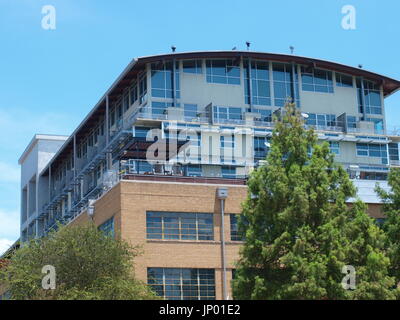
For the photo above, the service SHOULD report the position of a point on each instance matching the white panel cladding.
(366, 190)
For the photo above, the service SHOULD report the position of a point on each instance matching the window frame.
(224, 77)
(202, 231)
(313, 85)
(200, 285)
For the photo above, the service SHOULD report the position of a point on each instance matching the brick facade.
(129, 201)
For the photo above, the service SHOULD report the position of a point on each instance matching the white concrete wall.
(34, 160)
(343, 100)
(348, 154)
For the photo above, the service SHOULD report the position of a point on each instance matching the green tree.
(89, 265)
(299, 231)
(391, 209)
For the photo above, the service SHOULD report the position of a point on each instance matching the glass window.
(190, 110)
(260, 148)
(112, 117)
(133, 93)
(142, 87)
(182, 284)
(141, 132)
(351, 122)
(394, 151)
(343, 80)
(260, 84)
(179, 226)
(223, 71)
(316, 80)
(193, 152)
(265, 115)
(286, 84)
(224, 114)
(162, 80)
(321, 120)
(192, 66)
(334, 147)
(194, 170)
(125, 102)
(160, 108)
(228, 172)
(108, 227)
(119, 110)
(235, 235)
(227, 144)
(372, 97)
(144, 167)
(373, 150)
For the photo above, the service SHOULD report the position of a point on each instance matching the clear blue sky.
(50, 79)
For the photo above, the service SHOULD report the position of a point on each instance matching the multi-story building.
(162, 158)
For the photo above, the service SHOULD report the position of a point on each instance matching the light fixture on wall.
(90, 209)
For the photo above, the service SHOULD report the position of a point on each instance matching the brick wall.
(129, 201)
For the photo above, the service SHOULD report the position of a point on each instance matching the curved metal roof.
(389, 85)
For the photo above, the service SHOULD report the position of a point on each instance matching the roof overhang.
(389, 85)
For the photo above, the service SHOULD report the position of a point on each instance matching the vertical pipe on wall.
(223, 258)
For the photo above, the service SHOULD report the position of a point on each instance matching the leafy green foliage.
(391, 226)
(88, 264)
(299, 230)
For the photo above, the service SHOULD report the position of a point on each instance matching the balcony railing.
(395, 163)
(393, 132)
(154, 168)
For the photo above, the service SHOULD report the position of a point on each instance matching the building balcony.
(157, 171)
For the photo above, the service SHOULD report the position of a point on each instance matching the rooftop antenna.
(248, 45)
(291, 49)
(173, 48)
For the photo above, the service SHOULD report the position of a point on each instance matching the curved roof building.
(175, 127)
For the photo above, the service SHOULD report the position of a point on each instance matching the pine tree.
(299, 231)
(391, 209)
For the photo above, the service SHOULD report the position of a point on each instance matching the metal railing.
(144, 167)
(394, 163)
(393, 132)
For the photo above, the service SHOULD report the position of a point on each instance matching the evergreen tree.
(391, 209)
(299, 231)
